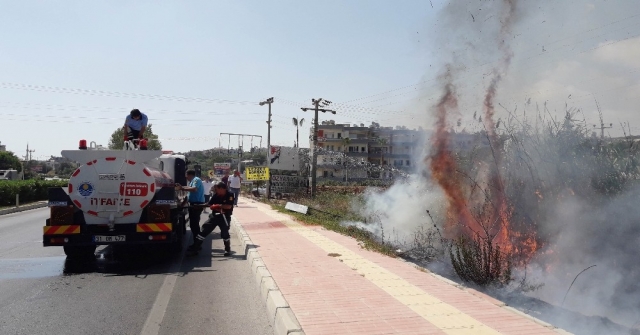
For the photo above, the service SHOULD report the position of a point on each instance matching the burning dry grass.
(331, 208)
(480, 261)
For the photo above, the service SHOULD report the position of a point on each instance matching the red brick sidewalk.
(335, 287)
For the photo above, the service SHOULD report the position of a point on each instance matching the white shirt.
(207, 187)
(234, 182)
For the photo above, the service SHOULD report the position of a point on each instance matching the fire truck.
(118, 197)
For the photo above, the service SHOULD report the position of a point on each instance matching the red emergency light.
(82, 145)
(143, 144)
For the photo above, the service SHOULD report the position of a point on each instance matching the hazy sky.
(73, 69)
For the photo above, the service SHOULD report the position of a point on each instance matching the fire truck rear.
(117, 197)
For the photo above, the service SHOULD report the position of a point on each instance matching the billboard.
(284, 158)
(254, 173)
(219, 169)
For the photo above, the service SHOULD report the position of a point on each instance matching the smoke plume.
(542, 187)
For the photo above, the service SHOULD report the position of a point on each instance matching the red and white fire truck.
(118, 197)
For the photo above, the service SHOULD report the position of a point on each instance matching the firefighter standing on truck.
(134, 125)
(221, 205)
(196, 200)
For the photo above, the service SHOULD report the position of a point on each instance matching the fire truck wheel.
(80, 251)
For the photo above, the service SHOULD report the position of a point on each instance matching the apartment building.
(364, 146)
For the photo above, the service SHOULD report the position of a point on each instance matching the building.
(348, 151)
(3, 147)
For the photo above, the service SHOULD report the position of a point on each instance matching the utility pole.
(29, 152)
(602, 127)
(268, 102)
(240, 144)
(314, 160)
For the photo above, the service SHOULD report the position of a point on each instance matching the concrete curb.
(280, 315)
(23, 208)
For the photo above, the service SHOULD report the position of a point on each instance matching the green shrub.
(29, 190)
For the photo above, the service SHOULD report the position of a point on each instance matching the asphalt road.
(145, 292)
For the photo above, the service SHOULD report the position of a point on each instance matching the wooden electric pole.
(314, 153)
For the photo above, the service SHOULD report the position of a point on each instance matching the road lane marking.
(156, 315)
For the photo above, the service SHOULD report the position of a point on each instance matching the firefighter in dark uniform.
(221, 204)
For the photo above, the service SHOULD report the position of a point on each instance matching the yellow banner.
(257, 173)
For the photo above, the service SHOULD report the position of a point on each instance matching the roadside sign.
(292, 206)
(220, 168)
(210, 173)
(257, 173)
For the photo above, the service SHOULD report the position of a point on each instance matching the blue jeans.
(236, 194)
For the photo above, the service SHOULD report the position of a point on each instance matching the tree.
(297, 124)
(9, 161)
(116, 142)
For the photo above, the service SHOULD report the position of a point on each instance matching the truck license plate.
(117, 238)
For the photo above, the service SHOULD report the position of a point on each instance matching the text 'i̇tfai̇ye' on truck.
(118, 197)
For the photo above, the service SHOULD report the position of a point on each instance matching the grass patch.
(329, 209)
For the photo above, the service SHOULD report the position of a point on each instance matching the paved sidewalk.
(335, 287)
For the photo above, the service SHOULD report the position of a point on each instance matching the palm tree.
(298, 124)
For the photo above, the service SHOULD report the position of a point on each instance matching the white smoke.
(554, 55)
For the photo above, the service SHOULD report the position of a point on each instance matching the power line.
(54, 89)
(110, 110)
(70, 120)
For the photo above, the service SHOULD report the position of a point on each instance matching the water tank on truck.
(114, 187)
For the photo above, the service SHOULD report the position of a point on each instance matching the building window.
(408, 163)
(339, 135)
(363, 149)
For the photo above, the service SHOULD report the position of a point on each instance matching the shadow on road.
(123, 261)
(141, 261)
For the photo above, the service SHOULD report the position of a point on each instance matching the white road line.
(156, 315)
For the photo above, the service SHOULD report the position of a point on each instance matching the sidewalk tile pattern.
(362, 292)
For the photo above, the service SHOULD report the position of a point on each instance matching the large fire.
(486, 214)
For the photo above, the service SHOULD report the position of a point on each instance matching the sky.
(72, 70)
